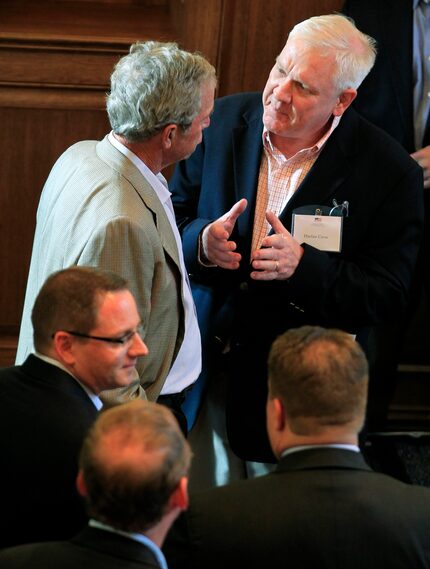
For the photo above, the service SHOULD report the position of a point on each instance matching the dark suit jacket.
(351, 290)
(91, 549)
(44, 416)
(386, 99)
(321, 508)
(386, 95)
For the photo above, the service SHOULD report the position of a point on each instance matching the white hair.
(337, 35)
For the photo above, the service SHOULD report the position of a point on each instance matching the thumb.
(231, 216)
(277, 226)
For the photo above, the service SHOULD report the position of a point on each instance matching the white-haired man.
(325, 214)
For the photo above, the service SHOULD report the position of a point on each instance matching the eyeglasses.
(124, 339)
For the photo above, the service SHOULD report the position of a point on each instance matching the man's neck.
(147, 150)
(157, 533)
(335, 436)
(289, 146)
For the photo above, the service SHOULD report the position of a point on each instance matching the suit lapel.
(329, 171)
(128, 170)
(247, 148)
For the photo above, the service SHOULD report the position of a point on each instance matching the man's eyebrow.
(133, 328)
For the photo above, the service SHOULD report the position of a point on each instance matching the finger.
(422, 153)
(421, 157)
(265, 276)
(228, 261)
(266, 265)
(277, 226)
(221, 245)
(238, 208)
(217, 232)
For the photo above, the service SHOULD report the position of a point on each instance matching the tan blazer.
(96, 209)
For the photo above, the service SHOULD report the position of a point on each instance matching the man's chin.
(128, 375)
(276, 125)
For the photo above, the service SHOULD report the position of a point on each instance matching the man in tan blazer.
(106, 204)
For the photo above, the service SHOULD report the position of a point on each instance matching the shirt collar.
(287, 451)
(136, 537)
(94, 398)
(157, 181)
(315, 148)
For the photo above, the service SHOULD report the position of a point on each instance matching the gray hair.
(156, 84)
(354, 51)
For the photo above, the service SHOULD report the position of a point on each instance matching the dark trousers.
(174, 402)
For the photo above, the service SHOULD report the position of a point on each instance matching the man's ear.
(179, 497)
(80, 484)
(275, 416)
(279, 414)
(168, 135)
(343, 102)
(63, 344)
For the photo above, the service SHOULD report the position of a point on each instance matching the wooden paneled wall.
(55, 61)
(242, 37)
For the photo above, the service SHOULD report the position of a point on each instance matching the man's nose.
(138, 346)
(282, 91)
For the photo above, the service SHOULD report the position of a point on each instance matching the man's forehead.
(303, 56)
(112, 304)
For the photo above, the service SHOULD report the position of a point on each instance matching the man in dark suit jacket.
(394, 97)
(323, 506)
(304, 143)
(86, 337)
(133, 474)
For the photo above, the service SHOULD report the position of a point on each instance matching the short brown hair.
(69, 300)
(132, 460)
(321, 377)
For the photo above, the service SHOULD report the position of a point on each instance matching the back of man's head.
(321, 377)
(156, 84)
(131, 463)
(69, 300)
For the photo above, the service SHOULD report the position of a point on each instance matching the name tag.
(324, 232)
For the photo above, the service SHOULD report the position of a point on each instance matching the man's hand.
(423, 158)
(279, 254)
(216, 247)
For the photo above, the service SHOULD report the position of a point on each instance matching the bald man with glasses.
(87, 340)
